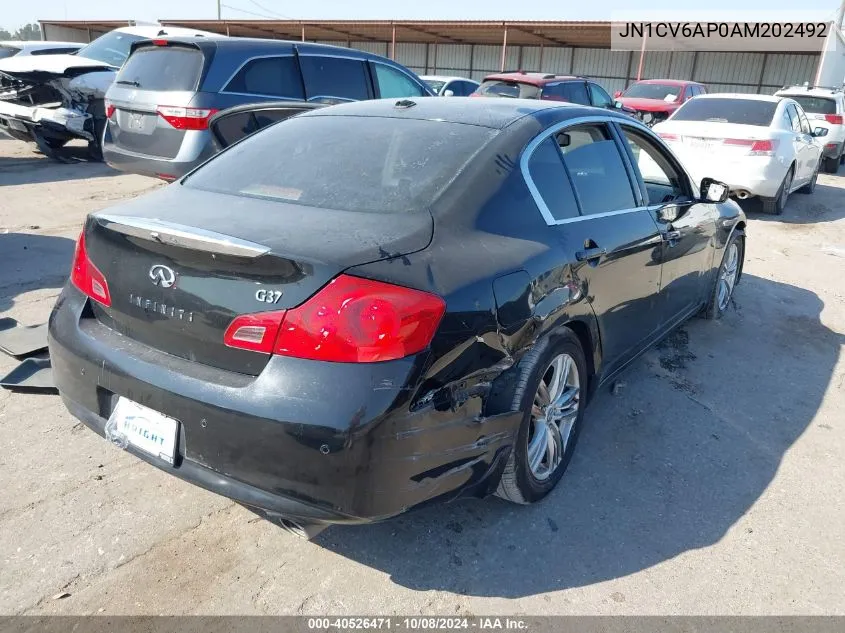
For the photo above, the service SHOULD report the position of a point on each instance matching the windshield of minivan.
(382, 165)
(162, 68)
(111, 48)
(663, 92)
(726, 110)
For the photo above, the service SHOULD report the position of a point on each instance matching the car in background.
(447, 86)
(53, 99)
(13, 48)
(548, 87)
(759, 145)
(207, 326)
(158, 107)
(654, 100)
(825, 107)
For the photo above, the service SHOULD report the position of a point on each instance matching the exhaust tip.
(742, 194)
(305, 531)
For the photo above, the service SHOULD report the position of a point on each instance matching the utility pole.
(218, 9)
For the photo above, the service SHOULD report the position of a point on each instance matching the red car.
(655, 99)
(525, 85)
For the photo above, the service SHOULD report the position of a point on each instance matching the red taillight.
(87, 277)
(764, 147)
(110, 108)
(351, 320)
(159, 42)
(667, 137)
(835, 119)
(185, 118)
(255, 332)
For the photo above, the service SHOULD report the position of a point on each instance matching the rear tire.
(776, 205)
(540, 454)
(831, 165)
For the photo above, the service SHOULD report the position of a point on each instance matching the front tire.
(727, 278)
(776, 205)
(550, 392)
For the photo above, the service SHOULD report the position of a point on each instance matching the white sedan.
(759, 145)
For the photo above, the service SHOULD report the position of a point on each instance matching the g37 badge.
(268, 296)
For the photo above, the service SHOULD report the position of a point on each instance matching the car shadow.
(29, 261)
(825, 204)
(668, 465)
(37, 168)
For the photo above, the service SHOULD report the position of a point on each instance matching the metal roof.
(593, 34)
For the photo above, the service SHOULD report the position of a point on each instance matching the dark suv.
(159, 105)
(569, 88)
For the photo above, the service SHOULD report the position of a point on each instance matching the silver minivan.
(159, 105)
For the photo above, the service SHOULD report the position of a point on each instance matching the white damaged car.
(52, 99)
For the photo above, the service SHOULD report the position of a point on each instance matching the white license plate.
(698, 143)
(145, 429)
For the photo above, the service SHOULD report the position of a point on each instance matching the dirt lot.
(714, 483)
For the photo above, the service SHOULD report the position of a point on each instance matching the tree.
(5, 35)
(28, 32)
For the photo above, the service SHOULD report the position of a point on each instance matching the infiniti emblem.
(162, 276)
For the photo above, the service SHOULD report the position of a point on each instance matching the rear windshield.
(111, 48)
(382, 165)
(744, 111)
(8, 51)
(663, 92)
(162, 68)
(512, 89)
(815, 105)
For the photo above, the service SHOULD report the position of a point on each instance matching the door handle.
(671, 236)
(590, 254)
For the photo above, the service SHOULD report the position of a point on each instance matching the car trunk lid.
(177, 285)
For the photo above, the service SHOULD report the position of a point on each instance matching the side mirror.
(820, 131)
(713, 191)
(617, 94)
(448, 93)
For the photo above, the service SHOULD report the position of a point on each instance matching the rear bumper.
(321, 442)
(758, 176)
(832, 149)
(193, 152)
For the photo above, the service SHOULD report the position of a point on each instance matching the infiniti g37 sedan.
(420, 314)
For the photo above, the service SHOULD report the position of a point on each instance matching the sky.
(16, 13)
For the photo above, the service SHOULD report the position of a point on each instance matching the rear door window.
(163, 68)
(335, 78)
(394, 84)
(551, 181)
(268, 76)
(728, 110)
(597, 169)
(794, 119)
(575, 92)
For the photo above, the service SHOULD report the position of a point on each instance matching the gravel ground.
(712, 484)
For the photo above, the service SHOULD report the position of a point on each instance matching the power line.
(260, 15)
(263, 8)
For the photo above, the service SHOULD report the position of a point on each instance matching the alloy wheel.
(553, 416)
(728, 275)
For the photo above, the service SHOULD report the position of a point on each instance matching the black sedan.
(375, 305)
